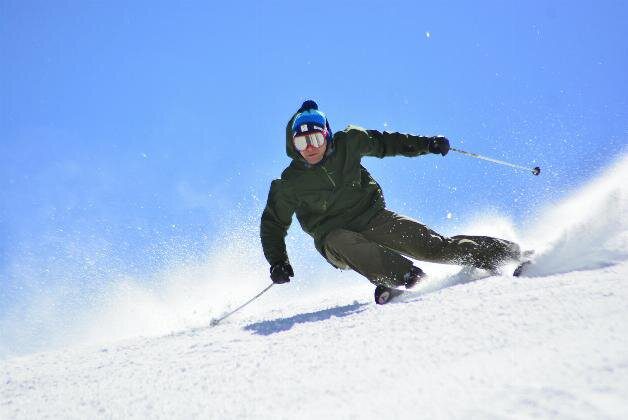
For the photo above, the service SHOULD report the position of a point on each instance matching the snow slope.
(553, 344)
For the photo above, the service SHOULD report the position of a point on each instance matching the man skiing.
(340, 205)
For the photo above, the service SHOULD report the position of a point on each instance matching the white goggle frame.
(316, 139)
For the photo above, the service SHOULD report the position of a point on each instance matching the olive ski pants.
(377, 251)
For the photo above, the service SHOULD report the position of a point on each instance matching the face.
(313, 155)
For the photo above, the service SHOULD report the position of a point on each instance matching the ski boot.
(383, 294)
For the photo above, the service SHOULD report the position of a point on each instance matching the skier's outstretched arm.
(382, 144)
(276, 220)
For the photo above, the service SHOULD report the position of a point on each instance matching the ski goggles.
(315, 138)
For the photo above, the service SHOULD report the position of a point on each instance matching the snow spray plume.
(587, 230)
(185, 292)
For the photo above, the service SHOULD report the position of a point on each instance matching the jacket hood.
(290, 150)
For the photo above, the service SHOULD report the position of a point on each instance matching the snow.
(553, 344)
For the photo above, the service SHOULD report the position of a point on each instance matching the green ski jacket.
(338, 192)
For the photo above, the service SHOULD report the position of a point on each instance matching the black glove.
(438, 145)
(307, 105)
(281, 272)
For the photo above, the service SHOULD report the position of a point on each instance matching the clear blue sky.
(134, 131)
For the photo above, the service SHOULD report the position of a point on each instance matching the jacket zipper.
(333, 184)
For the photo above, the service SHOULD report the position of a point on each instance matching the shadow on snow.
(466, 275)
(284, 324)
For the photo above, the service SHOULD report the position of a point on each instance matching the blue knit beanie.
(310, 119)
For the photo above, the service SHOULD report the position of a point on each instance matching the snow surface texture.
(553, 344)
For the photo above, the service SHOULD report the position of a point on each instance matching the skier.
(342, 207)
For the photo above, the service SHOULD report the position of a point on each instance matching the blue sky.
(133, 133)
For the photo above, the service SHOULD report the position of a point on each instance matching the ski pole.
(215, 322)
(535, 171)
